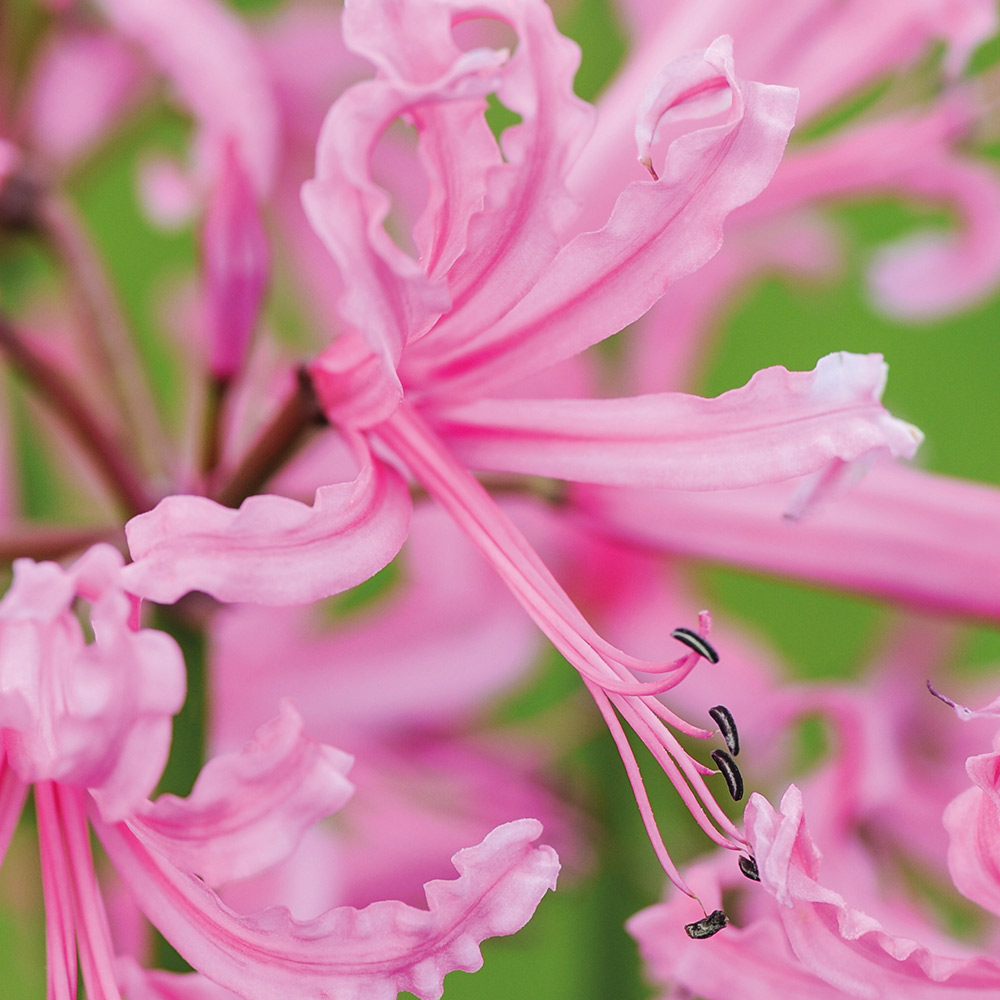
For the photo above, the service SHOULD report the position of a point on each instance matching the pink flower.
(88, 726)
(502, 291)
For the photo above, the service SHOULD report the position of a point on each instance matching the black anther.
(698, 643)
(707, 926)
(727, 726)
(734, 780)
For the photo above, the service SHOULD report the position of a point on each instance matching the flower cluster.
(372, 450)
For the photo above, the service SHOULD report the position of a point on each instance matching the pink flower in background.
(88, 726)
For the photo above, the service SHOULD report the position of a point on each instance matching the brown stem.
(53, 543)
(55, 389)
(287, 431)
(211, 438)
(107, 345)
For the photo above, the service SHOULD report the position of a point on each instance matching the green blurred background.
(943, 377)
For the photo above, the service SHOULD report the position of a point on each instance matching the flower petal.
(248, 810)
(900, 533)
(658, 231)
(780, 425)
(369, 954)
(272, 550)
(843, 946)
(387, 296)
(405, 662)
(973, 824)
(96, 715)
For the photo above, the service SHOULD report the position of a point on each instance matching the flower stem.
(40, 543)
(56, 390)
(287, 431)
(107, 345)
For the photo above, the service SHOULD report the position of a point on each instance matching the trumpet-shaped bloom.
(500, 292)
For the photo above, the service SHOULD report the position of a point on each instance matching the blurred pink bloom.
(210, 59)
(831, 51)
(236, 264)
(88, 725)
(973, 824)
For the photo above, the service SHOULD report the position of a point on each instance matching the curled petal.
(369, 954)
(272, 550)
(492, 220)
(387, 296)
(843, 946)
(248, 810)
(780, 425)
(658, 231)
(973, 824)
(911, 155)
(932, 274)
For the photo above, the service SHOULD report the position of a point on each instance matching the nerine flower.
(87, 726)
(421, 375)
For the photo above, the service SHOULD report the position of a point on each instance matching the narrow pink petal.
(900, 533)
(272, 550)
(780, 425)
(248, 810)
(369, 954)
(13, 792)
(93, 936)
(236, 263)
(210, 58)
(659, 230)
(973, 824)
(844, 946)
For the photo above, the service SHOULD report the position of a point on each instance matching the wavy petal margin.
(658, 231)
(369, 954)
(843, 946)
(272, 550)
(248, 810)
(778, 426)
